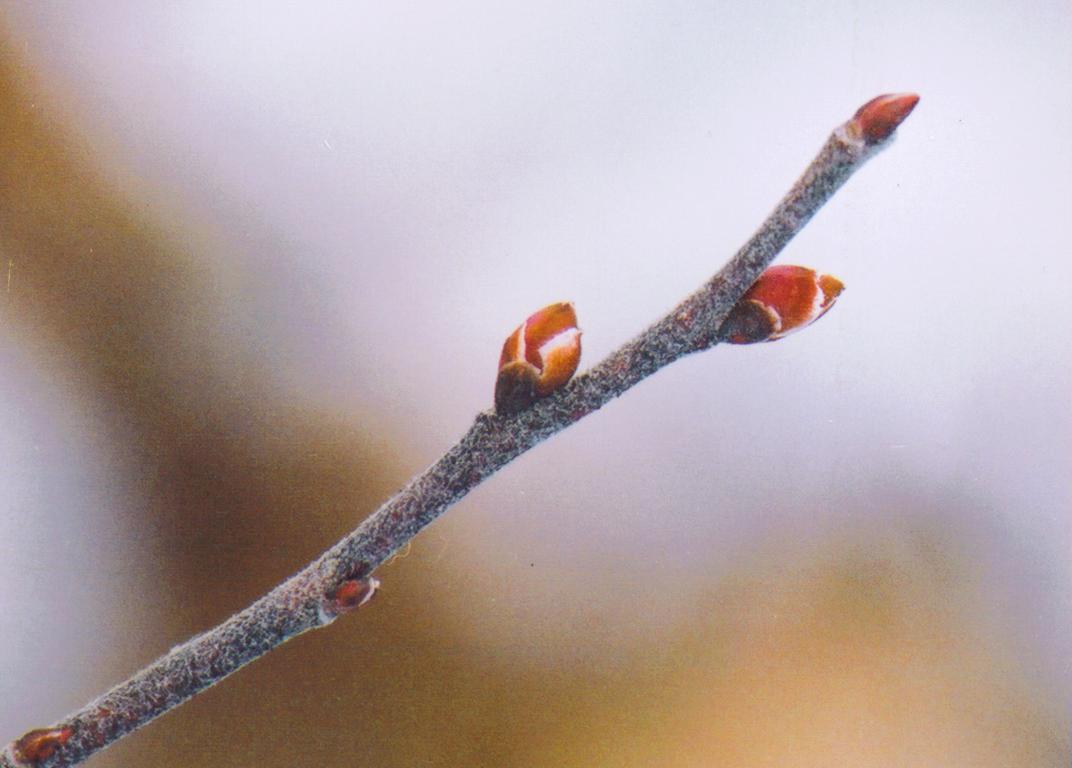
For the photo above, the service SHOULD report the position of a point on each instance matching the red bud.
(540, 356)
(878, 118)
(353, 593)
(784, 299)
(40, 744)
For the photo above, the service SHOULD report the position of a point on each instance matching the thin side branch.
(341, 579)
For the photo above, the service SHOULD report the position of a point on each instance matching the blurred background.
(256, 264)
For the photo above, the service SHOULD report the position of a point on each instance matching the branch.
(341, 579)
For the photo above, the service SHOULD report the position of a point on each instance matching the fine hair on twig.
(534, 403)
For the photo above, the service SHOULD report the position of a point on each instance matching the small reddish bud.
(540, 356)
(784, 299)
(353, 593)
(876, 120)
(40, 744)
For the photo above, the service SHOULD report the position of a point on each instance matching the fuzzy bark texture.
(306, 600)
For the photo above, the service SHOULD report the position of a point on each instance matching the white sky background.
(387, 189)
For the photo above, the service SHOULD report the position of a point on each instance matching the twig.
(341, 579)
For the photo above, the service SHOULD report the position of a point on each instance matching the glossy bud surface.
(540, 356)
(784, 299)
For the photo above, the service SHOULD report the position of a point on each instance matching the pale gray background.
(381, 191)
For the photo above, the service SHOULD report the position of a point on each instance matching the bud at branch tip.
(876, 120)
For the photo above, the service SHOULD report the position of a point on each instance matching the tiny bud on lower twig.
(40, 744)
(353, 593)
